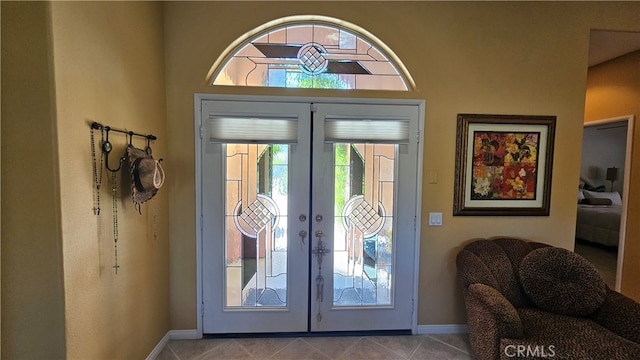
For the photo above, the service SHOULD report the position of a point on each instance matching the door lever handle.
(302, 234)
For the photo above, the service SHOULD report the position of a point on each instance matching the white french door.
(308, 215)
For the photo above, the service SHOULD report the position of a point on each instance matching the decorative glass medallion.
(312, 59)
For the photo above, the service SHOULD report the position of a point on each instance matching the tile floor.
(426, 347)
(415, 347)
(604, 259)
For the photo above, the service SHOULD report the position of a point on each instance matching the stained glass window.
(310, 52)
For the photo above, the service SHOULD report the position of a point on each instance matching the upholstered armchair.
(531, 300)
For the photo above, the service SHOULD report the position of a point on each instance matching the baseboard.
(443, 329)
(158, 349)
(184, 334)
(172, 335)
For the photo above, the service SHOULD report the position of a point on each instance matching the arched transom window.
(310, 52)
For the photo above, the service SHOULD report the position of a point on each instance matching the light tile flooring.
(426, 347)
(604, 259)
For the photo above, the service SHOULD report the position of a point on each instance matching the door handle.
(319, 251)
(302, 234)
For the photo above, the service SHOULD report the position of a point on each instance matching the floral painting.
(503, 164)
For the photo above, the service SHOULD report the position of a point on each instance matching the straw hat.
(147, 175)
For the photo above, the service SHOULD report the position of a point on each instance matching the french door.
(308, 215)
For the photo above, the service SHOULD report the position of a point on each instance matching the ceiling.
(607, 45)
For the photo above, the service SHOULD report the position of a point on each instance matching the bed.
(598, 217)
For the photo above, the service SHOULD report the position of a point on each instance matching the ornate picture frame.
(503, 165)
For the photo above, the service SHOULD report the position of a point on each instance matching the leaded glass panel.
(310, 56)
(363, 224)
(256, 224)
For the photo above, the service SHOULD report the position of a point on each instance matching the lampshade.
(612, 174)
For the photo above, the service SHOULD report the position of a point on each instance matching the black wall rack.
(106, 146)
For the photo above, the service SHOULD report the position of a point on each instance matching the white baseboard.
(184, 334)
(443, 329)
(158, 349)
(172, 335)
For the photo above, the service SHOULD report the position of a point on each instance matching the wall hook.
(106, 148)
(148, 148)
(120, 161)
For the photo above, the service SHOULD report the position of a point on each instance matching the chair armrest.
(621, 315)
(490, 317)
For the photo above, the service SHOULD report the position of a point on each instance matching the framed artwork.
(503, 165)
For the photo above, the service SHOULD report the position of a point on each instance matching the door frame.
(198, 135)
(626, 177)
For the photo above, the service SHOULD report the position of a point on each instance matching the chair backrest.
(495, 263)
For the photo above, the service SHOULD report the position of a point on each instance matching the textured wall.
(109, 67)
(32, 280)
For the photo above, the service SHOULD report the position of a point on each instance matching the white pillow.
(613, 196)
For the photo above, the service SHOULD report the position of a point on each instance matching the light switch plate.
(433, 176)
(435, 219)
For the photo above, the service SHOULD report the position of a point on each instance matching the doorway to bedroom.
(603, 195)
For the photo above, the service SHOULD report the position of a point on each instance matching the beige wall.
(64, 65)
(32, 281)
(109, 67)
(613, 90)
(496, 58)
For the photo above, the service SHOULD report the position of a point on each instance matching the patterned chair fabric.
(528, 300)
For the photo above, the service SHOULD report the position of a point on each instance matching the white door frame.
(625, 188)
(198, 130)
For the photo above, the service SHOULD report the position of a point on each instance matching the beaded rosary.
(105, 148)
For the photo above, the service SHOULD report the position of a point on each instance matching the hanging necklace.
(97, 170)
(106, 148)
(114, 196)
